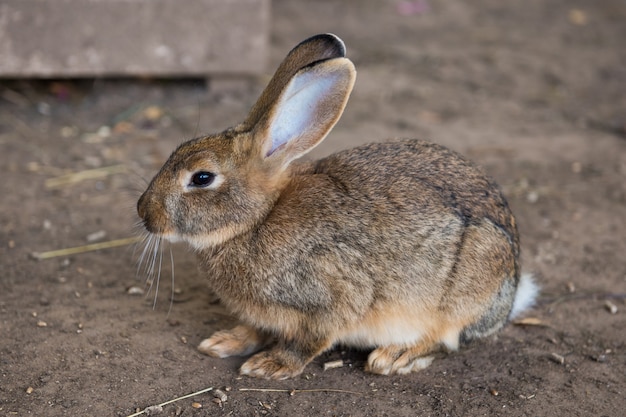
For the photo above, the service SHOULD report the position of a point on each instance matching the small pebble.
(610, 307)
(221, 395)
(599, 358)
(104, 131)
(333, 364)
(153, 113)
(532, 197)
(99, 235)
(69, 131)
(153, 410)
(135, 291)
(555, 357)
(30, 390)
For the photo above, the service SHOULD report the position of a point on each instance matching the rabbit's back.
(419, 179)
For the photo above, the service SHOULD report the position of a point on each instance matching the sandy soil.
(533, 91)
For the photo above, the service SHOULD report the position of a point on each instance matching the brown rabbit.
(402, 247)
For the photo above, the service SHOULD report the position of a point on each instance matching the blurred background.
(94, 95)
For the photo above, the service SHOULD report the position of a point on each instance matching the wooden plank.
(74, 38)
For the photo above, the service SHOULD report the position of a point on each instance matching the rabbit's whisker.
(172, 295)
(150, 264)
(146, 262)
(154, 246)
(141, 261)
(155, 251)
(159, 251)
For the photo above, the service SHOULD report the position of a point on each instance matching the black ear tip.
(331, 44)
(336, 42)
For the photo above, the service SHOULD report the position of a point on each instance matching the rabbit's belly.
(398, 325)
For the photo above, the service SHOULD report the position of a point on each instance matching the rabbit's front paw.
(239, 341)
(389, 360)
(272, 365)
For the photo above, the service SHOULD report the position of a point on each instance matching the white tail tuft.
(525, 295)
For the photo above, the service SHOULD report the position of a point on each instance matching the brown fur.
(402, 246)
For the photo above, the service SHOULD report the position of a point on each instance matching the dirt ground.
(534, 91)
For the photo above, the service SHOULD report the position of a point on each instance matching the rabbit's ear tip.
(330, 42)
(328, 37)
(333, 37)
(338, 42)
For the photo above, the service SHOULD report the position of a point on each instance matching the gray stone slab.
(69, 38)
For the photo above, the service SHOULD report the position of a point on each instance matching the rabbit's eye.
(202, 179)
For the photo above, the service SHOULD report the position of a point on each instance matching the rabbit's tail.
(525, 295)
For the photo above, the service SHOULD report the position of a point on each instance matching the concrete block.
(74, 38)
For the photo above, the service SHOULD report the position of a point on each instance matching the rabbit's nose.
(150, 212)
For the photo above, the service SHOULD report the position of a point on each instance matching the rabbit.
(400, 247)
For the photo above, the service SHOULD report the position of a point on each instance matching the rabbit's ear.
(311, 50)
(305, 111)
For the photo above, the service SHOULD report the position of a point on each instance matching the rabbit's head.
(215, 187)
